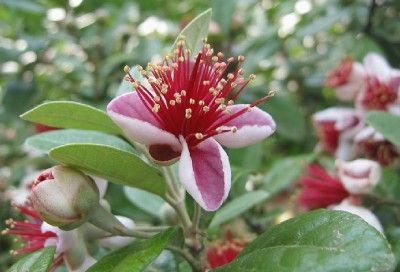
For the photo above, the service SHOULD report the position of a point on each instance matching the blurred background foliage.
(75, 50)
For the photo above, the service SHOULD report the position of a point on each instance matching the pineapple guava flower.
(320, 189)
(348, 79)
(185, 109)
(224, 251)
(37, 234)
(336, 128)
(382, 85)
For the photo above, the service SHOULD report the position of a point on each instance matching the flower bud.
(359, 176)
(64, 197)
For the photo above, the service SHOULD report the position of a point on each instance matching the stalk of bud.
(64, 197)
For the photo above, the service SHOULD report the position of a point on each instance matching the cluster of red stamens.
(340, 76)
(191, 97)
(29, 231)
(378, 95)
(225, 251)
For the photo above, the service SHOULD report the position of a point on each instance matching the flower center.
(341, 75)
(192, 97)
(378, 95)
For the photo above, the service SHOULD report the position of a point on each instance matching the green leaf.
(49, 140)
(195, 31)
(38, 261)
(113, 164)
(387, 124)
(135, 257)
(67, 114)
(317, 241)
(290, 119)
(284, 172)
(238, 206)
(223, 11)
(147, 202)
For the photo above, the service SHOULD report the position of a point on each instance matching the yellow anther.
(188, 113)
(206, 108)
(183, 93)
(230, 76)
(214, 58)
(219, 100)
(192, 101)
(231, 59)
(233, 84)
(164, 88)
(172, 102)
(199, 136)
(181, 59)
(201, 102)
(241, 58)
(156, 108)
(218, 129)
(220, 55)
(230, 102)
(234, 129)
(157, 98)
(127, 69)
(252, 77)
(206, 82)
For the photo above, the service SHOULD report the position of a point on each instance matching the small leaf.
(321, 240)
(38, 261)
(147, 202)
(66, 114)
(387, 124)
(49, 140)
(195, 31)
(284, 172)
(113, 164)
(135, 257)
(238, 206)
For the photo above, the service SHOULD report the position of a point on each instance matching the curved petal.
(252, 127)
(119, 241)
(359, 176)
(138, 123)
(376, 65)
(205, 173)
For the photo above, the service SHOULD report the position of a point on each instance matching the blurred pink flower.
(348, 79)
(336, 128)
(185, 110)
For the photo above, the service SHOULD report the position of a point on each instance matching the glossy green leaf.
(284, 172)
(38, 261)
(196, 31)
(387, 124)
(238, 206)
(113, 164)
(147, 202)
(223, 11)
(49, 140)
(135, 257)
(66, 114)
(317, 241)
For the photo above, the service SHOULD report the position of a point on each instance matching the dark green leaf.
(49, 140)
(38, 261)
(196, 31)
(66, 114)
(321, 240)
(112, 164)
(136, 257)
(387, 124)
